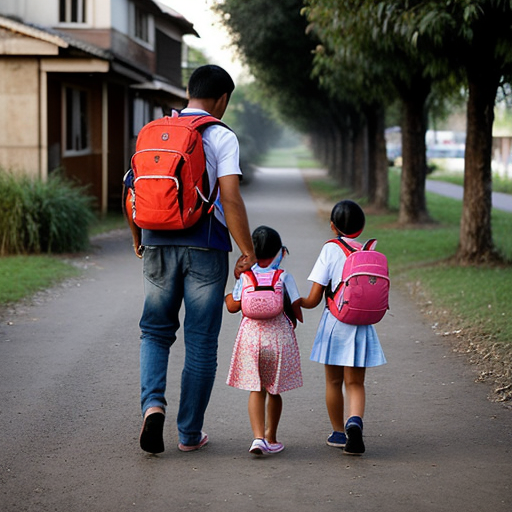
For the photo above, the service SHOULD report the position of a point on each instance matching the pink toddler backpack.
(362, 297)
(262, 294)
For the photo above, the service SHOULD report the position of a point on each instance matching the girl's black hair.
(348, 217)
(210, 81)
(267, 242)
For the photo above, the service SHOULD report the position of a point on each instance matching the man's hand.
(138, 249)
(244, 263)
(236, 219)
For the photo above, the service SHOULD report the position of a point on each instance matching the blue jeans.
(196, 277)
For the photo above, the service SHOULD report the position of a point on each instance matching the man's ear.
(221, 105)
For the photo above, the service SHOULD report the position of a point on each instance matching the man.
(191, 267)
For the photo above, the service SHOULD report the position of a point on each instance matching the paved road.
(499, 200)
(69, 416)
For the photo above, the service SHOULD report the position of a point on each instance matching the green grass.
(22, 276)
(38, 217)
(109, 222)
(478, 297)
(297, 157)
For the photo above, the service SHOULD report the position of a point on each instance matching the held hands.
(245, 262)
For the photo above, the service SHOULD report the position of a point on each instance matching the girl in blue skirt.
(345, 350)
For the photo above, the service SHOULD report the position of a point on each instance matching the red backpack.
(362, 297)
(170, 188)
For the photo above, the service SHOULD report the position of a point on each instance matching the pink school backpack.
(362, 297)
(262, 294)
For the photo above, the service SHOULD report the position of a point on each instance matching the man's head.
(210, 82)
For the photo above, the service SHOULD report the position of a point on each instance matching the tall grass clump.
(43, 217)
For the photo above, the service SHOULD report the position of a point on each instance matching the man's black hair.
(210, 81)
(267, 242)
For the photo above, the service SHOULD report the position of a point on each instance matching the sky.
(214, 40)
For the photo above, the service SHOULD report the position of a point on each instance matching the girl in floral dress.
(266, 359)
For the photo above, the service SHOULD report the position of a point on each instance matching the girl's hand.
(234, 306)
(297, 311)
(315, 296)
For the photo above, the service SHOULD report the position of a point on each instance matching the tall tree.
(373, 64)
(473, 36)
(271, 37)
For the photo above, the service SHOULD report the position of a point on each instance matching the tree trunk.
(361, 185)
(413, 204)
(476, 244)
(348, 160)
(378, 162)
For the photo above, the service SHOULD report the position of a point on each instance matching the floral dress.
(266, 354)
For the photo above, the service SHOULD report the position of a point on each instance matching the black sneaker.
(355, 443)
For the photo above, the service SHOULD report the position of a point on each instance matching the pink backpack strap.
(369, 245)
(254, 280)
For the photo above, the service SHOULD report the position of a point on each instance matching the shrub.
(43, 217)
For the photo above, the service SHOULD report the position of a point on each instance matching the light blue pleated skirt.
(342, 344)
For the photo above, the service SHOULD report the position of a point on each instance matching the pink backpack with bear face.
(262, 294)
(362, 297)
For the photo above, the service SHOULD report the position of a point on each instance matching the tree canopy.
(331, 67)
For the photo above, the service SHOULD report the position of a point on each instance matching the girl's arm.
(315, 297)
(234, 306)
(297, 311)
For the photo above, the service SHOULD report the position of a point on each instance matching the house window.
(141, 25)
(72, 11)
(141, 114)
(76, 119)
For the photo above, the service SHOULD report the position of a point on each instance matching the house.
(78, 79)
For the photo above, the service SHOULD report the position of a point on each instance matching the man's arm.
(135, 230)
(237, 221)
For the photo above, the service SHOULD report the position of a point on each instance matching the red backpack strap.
(252, 277)
(202, 121)
(345, 247)
(277, 275)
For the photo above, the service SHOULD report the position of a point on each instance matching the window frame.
(66, 8)
(76, 125)
(142, 26)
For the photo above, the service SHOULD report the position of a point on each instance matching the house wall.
(19, 122)
(46, 12)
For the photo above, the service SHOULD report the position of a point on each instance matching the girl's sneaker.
(259, 447)
(274, 447)
(354, 430)
(337, 439)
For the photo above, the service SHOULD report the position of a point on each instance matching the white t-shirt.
(328, 266)
(222, 152)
